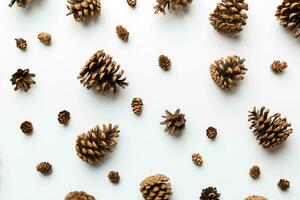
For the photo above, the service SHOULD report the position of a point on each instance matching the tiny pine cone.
(256, 197)
(211, 132)
(164, 62)
(283, 184)
(254, 172)
(44, 38)
(278, 66)
(79, 195)
(137, 105)
(113, 176)
(122, 33)
(44, 167)
(26, 127)
(131, 3)
(21, 43)
(197, 159)
(63, 117)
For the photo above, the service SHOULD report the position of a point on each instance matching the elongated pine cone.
(131, 3)
(45, 38)
(21, 43)
(211, 132)
(227, 72)
(210, 193)
(156, 187)
(174, 123)
(122, 33)
(20, 3)
(44, 167)
(22, 79)
(283, 184)
(164, 62)
(84, 10)
(197, 159)
(255, 197)
(26, 127)
(137, 105)
(288, 14)
(278, 66)
(96, 143)
(79, 195)
(102, 73)
(171, 5)
(229, 16)
(270, 131)
(254, 172)
(63, 117)
(113, 176)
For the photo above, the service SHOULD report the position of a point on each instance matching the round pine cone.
(197, 159)
(227, 72)
(44, 167)
(113, 176)
(131, 3)
(211, 132)
(270, 131)
(164, 62)
(156, 187)
(79, 195)
(288, 14)
(174, 123)
(63, 117)
(21, 43)
(255, 197)
(44, 38)
(22, 79)
(83, 10)
(26, 127)
(96, 143)
(122, 33)
(278, 66)
(210, 193)
(229, 16)
(254, 172)
(137, 105)
(20, 3)
(102, 73)
(283, 184)
(171, 5)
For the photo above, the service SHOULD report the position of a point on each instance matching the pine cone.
(22, 79)
(175, 123)
(227, 72)
(284, 184)
(270, 131)
(26, 127)
(288, 13)
(83, 10)
(210, 193)
(229, 16)
(255, 197)
(197, 159)
(156, 187)
(79, 195)
(21, 43)
(63, 117)
(113, 176)
(137, 105)
(45, 38)
(254, 172)
(122, 33)
(20, 3)
(102, 73)
(171, 5)
(96, 143)
(211, 132)
(164, 62)
(131, 3)
(44, 167)
(278, 66)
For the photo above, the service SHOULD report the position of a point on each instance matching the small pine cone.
(164, 62)
(171, 5)
(79, 195)
(20, 3)
(22, 79)
(21, 43)
(283, 184)
(156, 187)
(288, 14)
(210, 193)
(26, 127)
(278, 66)
(102, 73)
(113, 176)
(63, 117)
(131, 3)
(197, 159)
(84, 10)
(211, 132)
(137, 105)
(270, 131)
(45, 38)
(96, 143)
(254, 172)
(44, 167)
(227, 72)
(122, 33)
(255, 197)
(174, 123)
(229, 16)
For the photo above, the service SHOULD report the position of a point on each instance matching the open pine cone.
(20, 3)
(22, 79)
(288, 13)
(171, 5)
(270, 131)
(156, 187)
(255, 197)
(229, 16)
(96, 143)
(79, 195)
(102, 73)
(83, 10)
(174, 122)
(210, 193)
(226, 72)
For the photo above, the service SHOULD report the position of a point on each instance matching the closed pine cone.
(96, 143)
(137, 105)
(44, 38)
(102, 73)
(229, 16)
(171, 5)
(278, 66)
(164, 62)
(131, 3)
(63, 117)
(211, 132)
(174, 123)
(84, 10)
(21, 43)
(22, 79)
(227, 72)
(283, 184)
(44, 167)
(254, 172)
(255, 197)
(156, 187)
(122, 33)
(210, 193)
(197, 159)
(79, 195)
(113, 176)
(270, 131)
(26, 127)
(20, 3)
(288, 14)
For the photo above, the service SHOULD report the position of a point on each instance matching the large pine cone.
(84, 9)
(255, 197)
(270, 131)
(171, 5)
(20, 3)
(174, 122)
(229, 16)
(22, 79)
(79, 195)
(227, 72)
(96, 143)
(102, 73)
(156, 187)
(288, 13)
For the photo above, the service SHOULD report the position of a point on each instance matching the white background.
(144, 149)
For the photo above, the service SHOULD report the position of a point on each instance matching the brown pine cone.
(22, 79)
(255, 197)
(44, 167)
(26, 127)
(211, 132)
(283, 184)
(113, 176)
(270, 131)
(131, 3)
(20, 3)
(254, 172)
(171, 5)
(210, 193)
(45, 38)
(197, 159)
(122, 33)
(21, 43)
(164, 62)
(174, 123)
(278, 66)
(137, 105)
(79, 195)
(156, 187)
(63, 117)
(84, 10)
